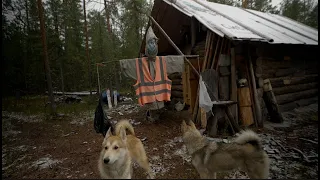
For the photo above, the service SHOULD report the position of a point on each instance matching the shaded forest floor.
(37, 146)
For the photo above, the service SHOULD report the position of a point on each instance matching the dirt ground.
(68, 147)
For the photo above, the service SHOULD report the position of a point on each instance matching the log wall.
(293, 77)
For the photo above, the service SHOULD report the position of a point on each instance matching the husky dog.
(245, 152)
(115, 161)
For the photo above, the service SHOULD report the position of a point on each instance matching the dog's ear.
(108, 133)
(123, 134)
(192, 124)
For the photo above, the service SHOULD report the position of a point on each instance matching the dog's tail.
(125, 124)
(249, 137)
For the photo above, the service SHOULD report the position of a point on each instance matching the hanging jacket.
(148, 89)
(101, 121)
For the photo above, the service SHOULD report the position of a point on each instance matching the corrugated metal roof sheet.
(244, 24)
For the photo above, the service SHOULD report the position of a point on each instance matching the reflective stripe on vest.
(147, 89)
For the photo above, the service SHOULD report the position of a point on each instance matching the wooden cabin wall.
(292, 71)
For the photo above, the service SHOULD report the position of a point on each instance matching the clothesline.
(107, 62)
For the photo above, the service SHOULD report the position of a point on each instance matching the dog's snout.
(106, 160)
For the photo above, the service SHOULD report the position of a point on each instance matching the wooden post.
(193, 31)
(98, 79)
(172, 43)
(234, 108)
(46, 61)
(255, 94)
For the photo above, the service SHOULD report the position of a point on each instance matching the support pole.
(172, 43)
(98, 79)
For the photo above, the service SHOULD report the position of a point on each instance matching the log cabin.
(265, 63)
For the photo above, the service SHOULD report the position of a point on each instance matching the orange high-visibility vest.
(148, 89)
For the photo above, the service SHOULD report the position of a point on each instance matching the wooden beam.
(233, 95)
(172, 43)
(255, 94)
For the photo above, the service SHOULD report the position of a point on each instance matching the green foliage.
(305, 11)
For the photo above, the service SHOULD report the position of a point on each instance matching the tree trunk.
(108, 16)
(46, 62)
(87, 46)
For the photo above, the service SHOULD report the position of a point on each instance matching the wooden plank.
(215, 52)
(255, 94)
(193, 31)
(233, 91)
(244, 98)
(246, 116)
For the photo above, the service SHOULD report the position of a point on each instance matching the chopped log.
(259, 62)
(177, 88)
(286, 98)
(259, 82)
(285, 72)
(280, 82)
(176, 82)
(260, 92)
(287, 107)
(175, 76)
(300, 103)
(258, 71)
(294, 88)
(312, 71)
(271, 102)
(178, 94)
(305, 102)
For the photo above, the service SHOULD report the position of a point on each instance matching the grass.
(33, 105)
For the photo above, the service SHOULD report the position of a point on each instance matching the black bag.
(101, 121)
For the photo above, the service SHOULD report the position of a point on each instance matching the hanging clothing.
(173, 63)
(101, 122)
(149, 89)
